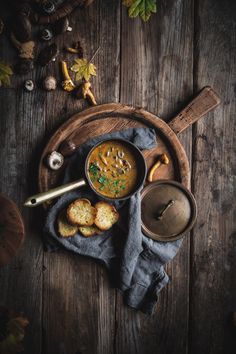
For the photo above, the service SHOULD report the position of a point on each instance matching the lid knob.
(160, 215)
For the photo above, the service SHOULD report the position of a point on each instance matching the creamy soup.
(112, 169)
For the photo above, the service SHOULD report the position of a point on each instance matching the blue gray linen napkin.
(134, 261)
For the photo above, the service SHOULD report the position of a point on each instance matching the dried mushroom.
(47, 54)
(50, 83)
(29, 85)
(55, 160)
(163, 159)
(67, 83)
(61, 26)
(76, 49)
(48, 7)
(84, 91)
(87, 93)
(45, 34)
(61, 9)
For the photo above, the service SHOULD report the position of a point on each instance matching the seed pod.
(45, 34)
(47, 54)
(24, 66)
(55, 160)
(22, 28)
(29, 85)
(50, 83)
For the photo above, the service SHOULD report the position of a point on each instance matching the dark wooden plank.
(78, 301)
(213, 286)
(156, 72)
(21, 130)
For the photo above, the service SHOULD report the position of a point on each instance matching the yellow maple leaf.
(83, 69)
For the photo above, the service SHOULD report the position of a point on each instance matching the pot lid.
(168, 210)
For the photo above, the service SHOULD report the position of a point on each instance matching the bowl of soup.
(115, 169)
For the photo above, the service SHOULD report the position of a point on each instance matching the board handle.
(204, 102)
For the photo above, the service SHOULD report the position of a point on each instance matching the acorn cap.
(168, 210)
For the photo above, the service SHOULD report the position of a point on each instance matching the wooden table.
(158, 65)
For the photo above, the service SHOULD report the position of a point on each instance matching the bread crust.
(89, 231)
(65, 229)
(81, 213)
(106, 216)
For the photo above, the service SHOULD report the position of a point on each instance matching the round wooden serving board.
(113, 117)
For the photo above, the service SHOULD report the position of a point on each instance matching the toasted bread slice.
(64, 228)
(106, 216)
(89, 231)
(81, 213)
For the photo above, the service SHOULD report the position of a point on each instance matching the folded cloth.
(134, 261)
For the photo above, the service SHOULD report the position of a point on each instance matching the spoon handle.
(41, 198)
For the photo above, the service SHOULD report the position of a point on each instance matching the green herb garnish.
(103, 180)
(93, 169)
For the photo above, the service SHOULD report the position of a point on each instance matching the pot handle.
(203, 103)
(41, 198)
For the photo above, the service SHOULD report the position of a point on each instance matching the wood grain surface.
(159, 66)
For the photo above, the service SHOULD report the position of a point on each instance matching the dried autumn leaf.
(12, 331)
(83, 69)
(5, 73)
(142, 8)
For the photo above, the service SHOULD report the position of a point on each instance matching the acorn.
(29, 85)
